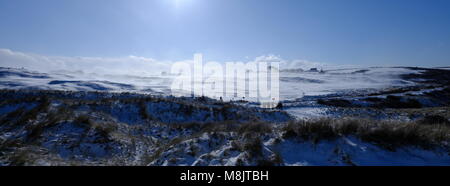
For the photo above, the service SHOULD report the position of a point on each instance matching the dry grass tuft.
(388, 134)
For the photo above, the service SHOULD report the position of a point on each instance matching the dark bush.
(254, 128)
(83, 121)
(434, 119)
(397, 102)
(393, 98)
(253, 147)
(373, 99)
(279, 105)
(335, 102)
(412, 103)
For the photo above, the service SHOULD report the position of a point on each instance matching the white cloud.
(129, 65)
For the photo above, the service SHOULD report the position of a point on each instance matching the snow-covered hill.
(293, 84)
(373, 116)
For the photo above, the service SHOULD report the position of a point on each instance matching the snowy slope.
(123, 123)
(293, 85)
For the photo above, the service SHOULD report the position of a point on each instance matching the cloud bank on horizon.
(129, 65)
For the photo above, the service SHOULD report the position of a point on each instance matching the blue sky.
(361, 32)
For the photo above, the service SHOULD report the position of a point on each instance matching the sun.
(181, 3)
(178, 3)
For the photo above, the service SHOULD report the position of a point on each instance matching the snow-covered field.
(76, 118)
(293, 85)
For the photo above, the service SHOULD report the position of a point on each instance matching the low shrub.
(434, 119)
(388, 134)
(335, 102)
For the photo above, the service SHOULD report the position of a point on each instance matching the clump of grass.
(391, 136)
(311, 130)
(12, 116)
(22, 157)
(143, 111)
(10, 144)
(235, 145)
(19, 158)
(83, 121)
(388, 134)
(161, 149)
(253, 146)
(254, 128)
(275, 160)
(434, 119)
(225, 111)
(102, 129)
(51, 119)
(16, 113)
(193, 150)
(32, 114)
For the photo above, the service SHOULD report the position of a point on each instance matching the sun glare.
(181, 3)
(178, 3)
